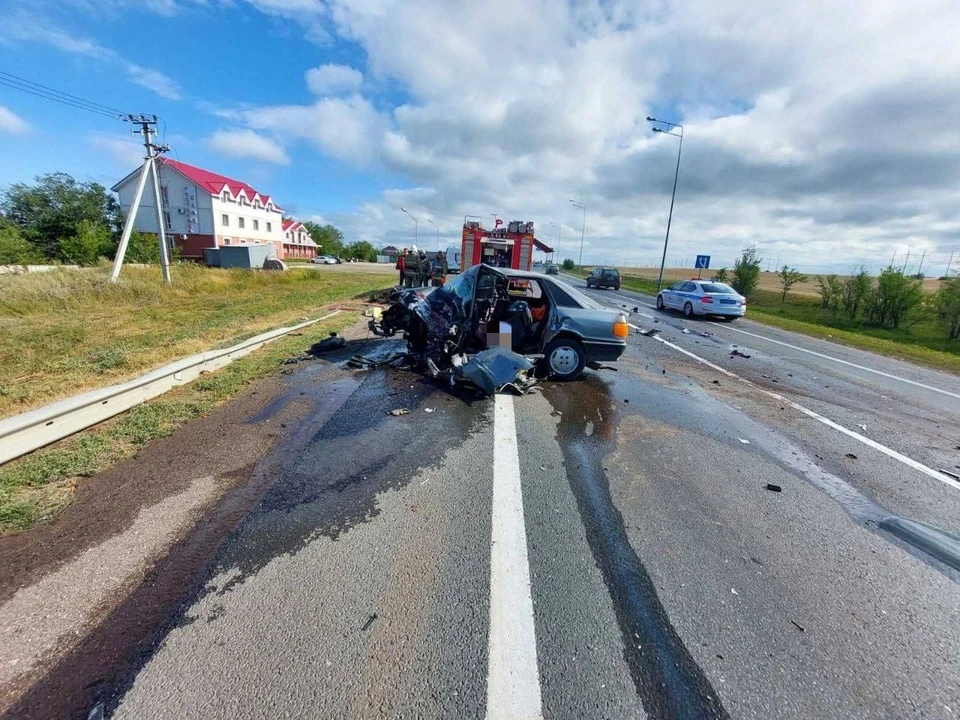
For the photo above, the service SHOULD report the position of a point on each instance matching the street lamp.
(559, 230)
(673, 197)
(416, 227)
(438, 233)
(583, 228)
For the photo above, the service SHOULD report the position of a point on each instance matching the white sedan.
(324, 260)
(702, 297)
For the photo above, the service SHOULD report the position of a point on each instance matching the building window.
(226, 196)
(225, 220)
(226, 241)
(240, 223)
(256, 224)
(243, 241)
(269, 227)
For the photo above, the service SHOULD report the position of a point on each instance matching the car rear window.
(566, 296)
(611, 273)
(719, 288)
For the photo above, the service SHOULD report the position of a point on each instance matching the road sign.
(703, 262)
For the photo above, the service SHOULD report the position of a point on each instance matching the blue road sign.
(703, 262)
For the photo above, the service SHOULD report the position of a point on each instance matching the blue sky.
(344, 110)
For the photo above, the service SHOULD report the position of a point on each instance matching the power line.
(33, 88)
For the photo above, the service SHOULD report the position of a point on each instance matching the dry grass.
(65, 332)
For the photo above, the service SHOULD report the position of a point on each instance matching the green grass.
(35, 488)
(67, 331)
(924, 343)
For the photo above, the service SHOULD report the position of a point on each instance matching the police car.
(703, 297)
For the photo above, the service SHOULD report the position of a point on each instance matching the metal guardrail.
(25, 433)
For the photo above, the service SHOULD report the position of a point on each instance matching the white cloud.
(247, 143)
(154, 80)
(12, 123)
(332, 79)
(126, 154)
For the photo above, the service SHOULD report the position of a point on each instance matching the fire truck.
(509, 245)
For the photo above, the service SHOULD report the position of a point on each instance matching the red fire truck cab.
(508, 246)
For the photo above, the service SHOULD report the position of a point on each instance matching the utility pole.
(583, 228)
(906, 261)
(148, 128)
(920, 266)
(949, 264)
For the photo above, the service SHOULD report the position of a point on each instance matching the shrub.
(788, 278)
(854, 293)
(831, 290)
(90, 242)
(947, 304)
(721, 275)
(894, 298)
(746, 272)
(15, 250)
(569, 264)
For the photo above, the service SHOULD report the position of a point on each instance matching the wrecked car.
(539, 317)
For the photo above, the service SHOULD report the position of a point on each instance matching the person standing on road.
(402, 267)
(412, 271)
(440, 269)
(424, 269)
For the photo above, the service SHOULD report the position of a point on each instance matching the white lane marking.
(513, 681)
(910, 462)
(847, 362)
(819, 355)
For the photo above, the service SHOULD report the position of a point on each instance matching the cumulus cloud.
(247, 143)
(126, 154)
(154, 80)
(12, 123)
(331, 79)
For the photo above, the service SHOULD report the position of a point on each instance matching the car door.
(670, 295)
(687, 294)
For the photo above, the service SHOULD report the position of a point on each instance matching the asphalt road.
(601, 549)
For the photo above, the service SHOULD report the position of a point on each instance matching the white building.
(202, 209)
(297, 242)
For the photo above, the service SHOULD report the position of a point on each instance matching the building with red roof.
(203, 209)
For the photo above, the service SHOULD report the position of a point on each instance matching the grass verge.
(64, 332)
(923, 343)
(35, 488)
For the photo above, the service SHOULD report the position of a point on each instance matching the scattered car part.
(334, 342)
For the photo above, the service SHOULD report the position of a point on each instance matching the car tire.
(616, 287)
(688, 310)
(660, 305)
(564, 359)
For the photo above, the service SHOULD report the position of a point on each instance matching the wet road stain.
(667, 679)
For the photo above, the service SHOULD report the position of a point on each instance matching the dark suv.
(604, 277)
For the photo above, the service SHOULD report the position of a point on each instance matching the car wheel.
(688, 310)
(659, 302)
(616, 287)
(565, 359)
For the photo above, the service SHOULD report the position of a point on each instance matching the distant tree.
(721, 275)
(14, 249)
(746, 272)
(894, 299)
(788, 278)
(51, 210)
(569, 264)
(89, 242)
(947, 303)
(831, 290)
(855, 292)
(328, 237)
(360, 250)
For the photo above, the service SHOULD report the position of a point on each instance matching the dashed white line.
(513, 680)
(890, 452)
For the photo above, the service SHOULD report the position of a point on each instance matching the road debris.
(862, 426)
(737, 353)
(716, 382)
(368, 623)
(745, 442)
(429, 409)
(649, 333)
(495, 369)
(706, 334)
(636, 309)
(334, 342)
(954, 475)
(851, 456)
(373, 312)
(399, 411)
(798, 626)
(686, 331)
(733, 591)
(774, 488)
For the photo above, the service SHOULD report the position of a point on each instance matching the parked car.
(561, 326)
(553, 269)
(701, 297)
(453, 260)
(325, 260)
(603, 277)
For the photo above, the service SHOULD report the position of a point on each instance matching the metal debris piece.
(851, 456)
(798, 626)
(334, 342)
(649, 333)
(716, 382)
(774, 488)
(737, 353)
(294, 360)
(745, 442)
(706, 334)
(429, 409)
(862, 426)
(686, 331)
(497, 368)
(368, 623)
(950, 473)
(399, 411)
(374, 312)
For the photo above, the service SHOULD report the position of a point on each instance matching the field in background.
(768, 280)
(923, 343)
(68, 331)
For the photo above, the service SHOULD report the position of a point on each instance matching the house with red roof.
(297, 242)
(203, 209)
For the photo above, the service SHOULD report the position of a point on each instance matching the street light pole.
(673, 197)
(416, 227)
(583, 228)
(438, 233)
(559, 231)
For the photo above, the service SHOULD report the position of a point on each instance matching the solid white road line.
(847, 362)
(513, 681)
(890, 452)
